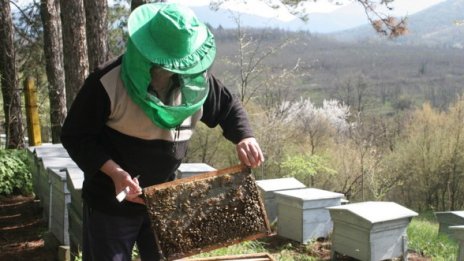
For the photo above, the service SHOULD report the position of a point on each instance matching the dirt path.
(23, 232)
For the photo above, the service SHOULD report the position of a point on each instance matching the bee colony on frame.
(206, 212)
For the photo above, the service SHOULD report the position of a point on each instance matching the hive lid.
(57, 172)
(57, 162)
(376, 211)
(307, 194)
(279, 184)
(458, 232)
(457, 213)
(460, 228)
(205, 212)
(195, 167)
(50, 150)
(76, 176)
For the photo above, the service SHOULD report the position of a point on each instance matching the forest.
(374, 121)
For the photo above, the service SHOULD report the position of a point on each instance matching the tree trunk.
(96, 15)
(10, 90)
(136, 3)
(76, 65)
(53, 49)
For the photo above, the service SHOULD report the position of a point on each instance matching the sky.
(401, 7)
(325, 16)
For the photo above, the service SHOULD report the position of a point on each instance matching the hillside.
(393, 73)
(434, 26)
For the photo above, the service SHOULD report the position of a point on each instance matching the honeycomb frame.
(205, 212)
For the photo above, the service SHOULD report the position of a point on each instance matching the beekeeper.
(134, 116)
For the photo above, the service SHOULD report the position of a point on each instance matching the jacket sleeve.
(224, 109)
(84, 124)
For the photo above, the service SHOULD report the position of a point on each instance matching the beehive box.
(302, 213)
(370, 231)
(458, 233)
(55, 163)
(74, 181)
(205, 212)
(34, 167)
(59, 198)
(268, 187)
(35, 154)
(449, 218)
(186, 170)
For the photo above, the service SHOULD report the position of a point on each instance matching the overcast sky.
(346, 15)
(401, 7)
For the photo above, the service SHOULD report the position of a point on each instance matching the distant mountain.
(434, 26)
(318, 22)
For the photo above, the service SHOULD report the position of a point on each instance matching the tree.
(9, 81)
(454, 190)
(305, 166)
(76, 66)
(136, 3)
(353, 92)
(96, 14)
(53, 50)
(429, 159)
(250, 61)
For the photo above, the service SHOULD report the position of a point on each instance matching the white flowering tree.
(314, 129)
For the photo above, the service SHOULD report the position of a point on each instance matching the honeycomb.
(205, 212)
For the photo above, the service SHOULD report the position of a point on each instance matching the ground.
(23, 233)
(24, 236)
(320, 249)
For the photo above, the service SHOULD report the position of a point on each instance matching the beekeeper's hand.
(123, 180)
(249, 152)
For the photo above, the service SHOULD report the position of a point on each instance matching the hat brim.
(141, 36)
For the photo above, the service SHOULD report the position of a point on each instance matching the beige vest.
(127, 117)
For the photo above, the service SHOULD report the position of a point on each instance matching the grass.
(424, 238)
(285, 252)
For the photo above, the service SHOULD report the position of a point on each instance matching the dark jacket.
(103, 123)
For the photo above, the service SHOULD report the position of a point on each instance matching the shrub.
(15, 176)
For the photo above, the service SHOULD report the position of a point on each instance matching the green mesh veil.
(135, 74)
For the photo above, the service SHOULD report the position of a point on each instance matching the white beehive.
(458, 233)
(370, 231)
(75, 180)
(449, 218)
(268, 187)
(302, 214)
(186, 170)
(55, 163)
(35, 154)
(58, 212)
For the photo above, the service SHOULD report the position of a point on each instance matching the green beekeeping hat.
(171, 35)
